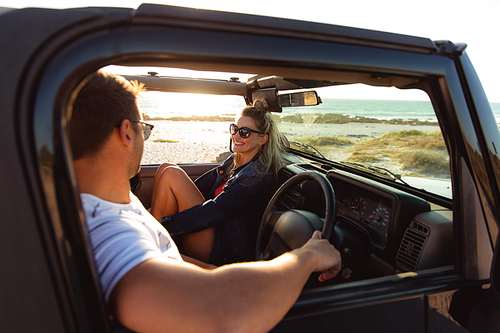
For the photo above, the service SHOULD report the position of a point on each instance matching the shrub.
(427, 161)
(325, 141)
(393, 135)
(165, 140)
(363, 157)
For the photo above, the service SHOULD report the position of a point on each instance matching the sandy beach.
(203, 141)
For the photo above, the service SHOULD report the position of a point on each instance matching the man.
(146, 283)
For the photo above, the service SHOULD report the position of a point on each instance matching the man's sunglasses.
(146, 129)
(244, 132)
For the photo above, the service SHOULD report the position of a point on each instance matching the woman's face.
(251, 145)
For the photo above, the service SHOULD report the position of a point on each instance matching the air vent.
(412, 246)
(284, 175)
(292, 198)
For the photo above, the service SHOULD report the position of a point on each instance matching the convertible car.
(406, 189)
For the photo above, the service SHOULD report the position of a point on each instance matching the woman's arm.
(242, 192)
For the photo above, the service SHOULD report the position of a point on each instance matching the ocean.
(157, 104)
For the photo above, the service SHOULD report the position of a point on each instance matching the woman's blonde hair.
(270, 154)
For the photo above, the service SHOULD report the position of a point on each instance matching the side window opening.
(379, 130)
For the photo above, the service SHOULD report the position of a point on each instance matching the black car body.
(47, 275)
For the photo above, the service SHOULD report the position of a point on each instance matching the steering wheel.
(283, 231)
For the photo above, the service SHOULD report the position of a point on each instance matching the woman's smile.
(237, 143)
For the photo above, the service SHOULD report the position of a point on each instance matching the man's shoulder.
(99, 212)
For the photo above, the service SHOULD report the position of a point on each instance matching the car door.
(45, 67)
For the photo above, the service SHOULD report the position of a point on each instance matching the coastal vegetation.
(191, 118)
(165, 140)
(309, 118)
(325, 141)
(413, 151)
(332, 118)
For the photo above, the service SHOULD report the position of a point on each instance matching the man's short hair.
(102, 103)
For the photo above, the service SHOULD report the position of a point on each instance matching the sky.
(475, 23)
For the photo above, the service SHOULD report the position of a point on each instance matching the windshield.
(397, 138)
(384, 131)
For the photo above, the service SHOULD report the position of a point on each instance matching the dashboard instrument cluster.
(372, 211)
(365, 207)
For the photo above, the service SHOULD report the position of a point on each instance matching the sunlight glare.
(166, 105)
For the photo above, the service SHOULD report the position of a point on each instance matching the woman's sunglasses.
(146, 129)
(244, 132)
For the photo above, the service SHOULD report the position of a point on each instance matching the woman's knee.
(172, 174)
(163, 166)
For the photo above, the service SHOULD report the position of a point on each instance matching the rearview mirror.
(304, 98)
(277, 102)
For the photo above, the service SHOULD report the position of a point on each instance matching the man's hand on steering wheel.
(328, 259)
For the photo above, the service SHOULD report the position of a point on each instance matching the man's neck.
(103, 182)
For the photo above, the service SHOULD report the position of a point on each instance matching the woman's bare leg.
(174, 192)
(198, 245)
(157, 176)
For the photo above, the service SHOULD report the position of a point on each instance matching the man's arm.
(197, 262)
(165, 295)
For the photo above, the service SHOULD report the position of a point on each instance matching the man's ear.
(126, 132)
(263, 139)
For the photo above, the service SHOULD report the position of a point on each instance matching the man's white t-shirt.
(123, 236)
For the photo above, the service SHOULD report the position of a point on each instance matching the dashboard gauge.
(353, 208)
(343, 207)
(380, 216)
(359, 205)
(341, 210)
(347, 202)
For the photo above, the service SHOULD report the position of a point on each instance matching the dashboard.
(380, 230)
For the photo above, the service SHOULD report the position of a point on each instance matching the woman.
(216, 219)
